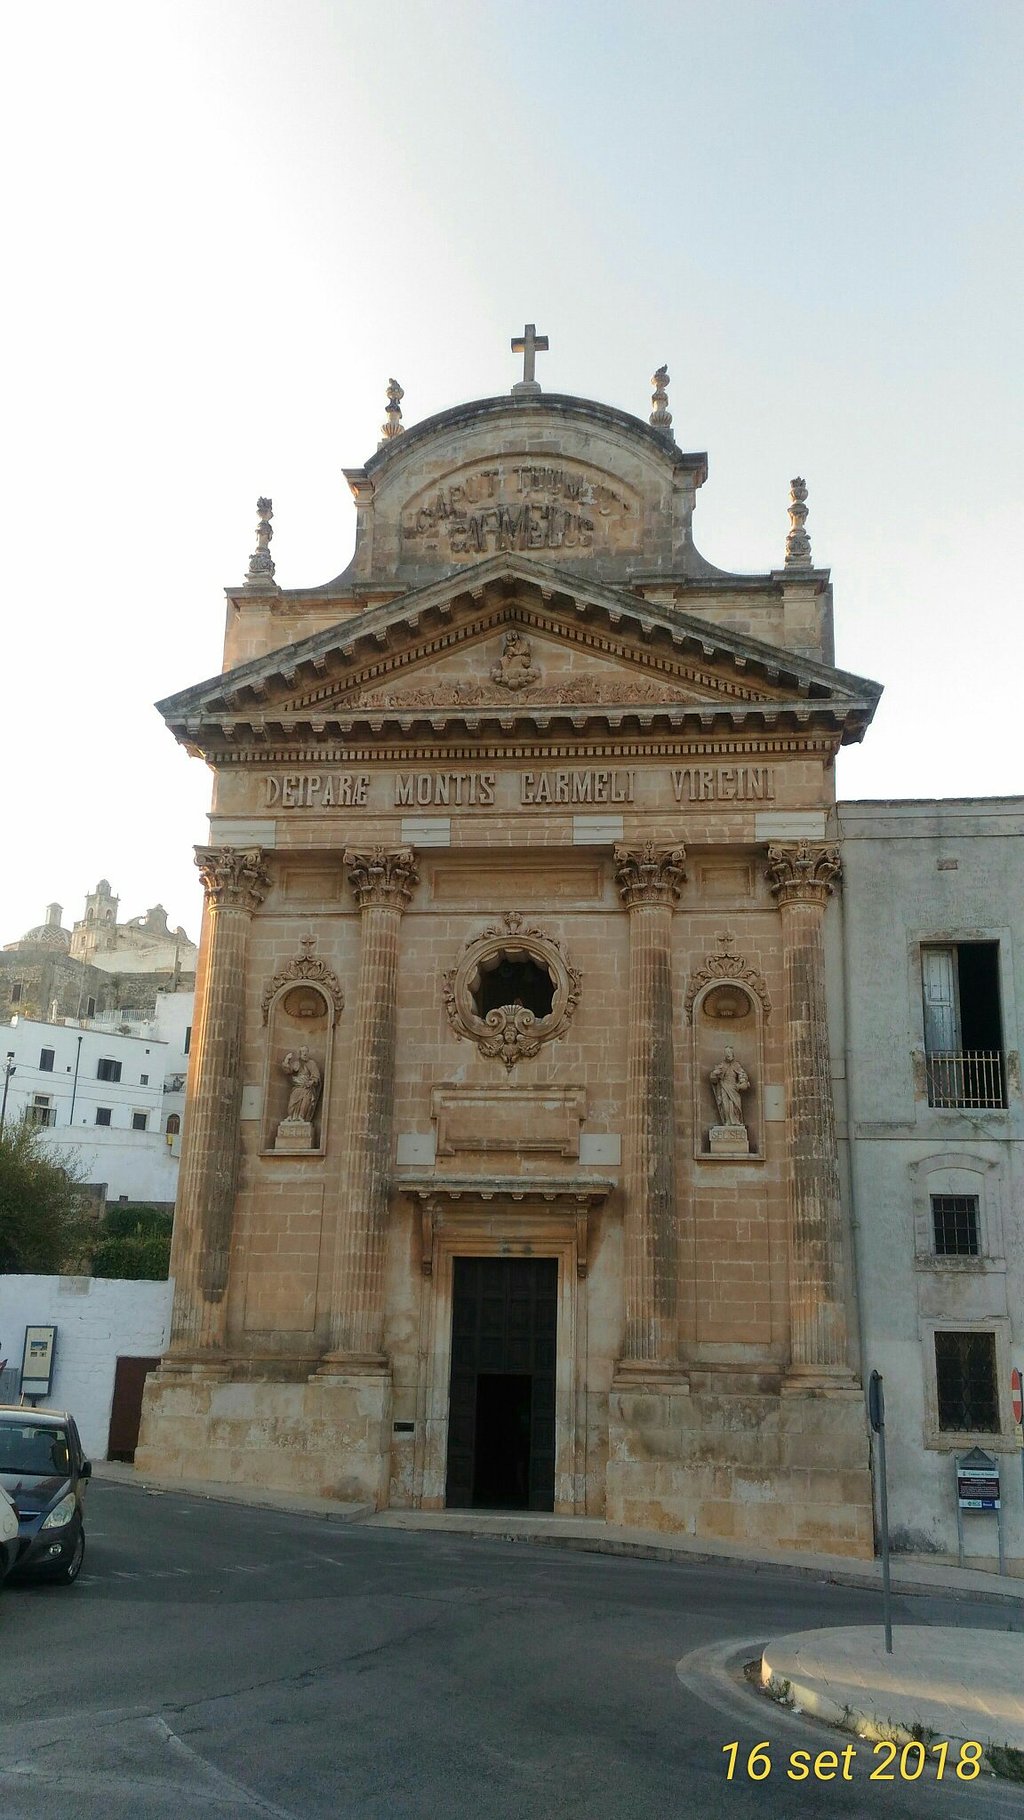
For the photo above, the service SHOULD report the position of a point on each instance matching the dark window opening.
(515, 982)
(173, 1124)
(103, 1115)
(90, 1007)
(46, 1061)
(143, 1080)
(963, 1025)
(108, 1070)
(16, 992)
(955, 1219)
(188, 1040)
(139, 1120)
(965, 1381)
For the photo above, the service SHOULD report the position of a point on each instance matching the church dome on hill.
(49, 934)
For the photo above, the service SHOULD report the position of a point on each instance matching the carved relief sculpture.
(515, 668)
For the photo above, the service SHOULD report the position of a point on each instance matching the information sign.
(977, 1481)
(37, 1361)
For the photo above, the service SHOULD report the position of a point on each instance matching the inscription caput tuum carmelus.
(515, 505)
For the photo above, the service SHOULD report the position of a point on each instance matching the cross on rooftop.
(529, 344)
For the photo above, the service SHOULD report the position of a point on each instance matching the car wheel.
(69, 1570)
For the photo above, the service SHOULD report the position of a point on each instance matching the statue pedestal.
(729, 1140)
(293, 1136)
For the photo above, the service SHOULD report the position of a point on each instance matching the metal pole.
(74, 1084)
(884, 1521)
(9, 1069)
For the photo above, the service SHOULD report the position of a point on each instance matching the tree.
(42, 1223)
(133, 1243)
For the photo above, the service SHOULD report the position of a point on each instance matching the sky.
(228, 222)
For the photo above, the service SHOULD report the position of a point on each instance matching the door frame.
(508, 1232)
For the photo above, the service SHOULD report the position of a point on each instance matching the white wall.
(97, 1320)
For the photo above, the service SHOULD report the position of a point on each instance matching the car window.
(29, 1447)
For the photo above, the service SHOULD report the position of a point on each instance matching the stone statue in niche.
(295, 1132)
(729, 1081)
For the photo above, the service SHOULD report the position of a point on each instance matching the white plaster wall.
(895, 894)
(97, 1321)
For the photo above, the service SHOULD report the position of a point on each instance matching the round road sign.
(1015, 1393)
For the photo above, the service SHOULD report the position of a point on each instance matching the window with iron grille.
(103, 1115)
(963, 1025)
(965, 1382)
(42, 1111)
(955, 1221)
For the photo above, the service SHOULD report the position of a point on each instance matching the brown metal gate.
(501, 1422)
(126, 1409)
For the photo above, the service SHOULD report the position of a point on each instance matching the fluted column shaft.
(383, 884)
(649, 882)
(803, 878)
(235, 882)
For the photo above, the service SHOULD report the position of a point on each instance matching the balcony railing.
(974, 1077)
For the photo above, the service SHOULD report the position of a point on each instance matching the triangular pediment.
(515, 641)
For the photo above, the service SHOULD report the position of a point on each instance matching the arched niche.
(300, 1010)
(726, 1005)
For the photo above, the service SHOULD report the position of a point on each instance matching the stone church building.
(511, 1173)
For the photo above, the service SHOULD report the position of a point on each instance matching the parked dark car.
(8, 1534)
(43, 1468)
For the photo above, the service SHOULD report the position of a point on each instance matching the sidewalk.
(953, 1685)
(593, 1535)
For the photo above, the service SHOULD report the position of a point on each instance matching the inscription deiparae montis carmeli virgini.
(569, 787)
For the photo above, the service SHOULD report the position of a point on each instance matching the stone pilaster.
(649, 880)
(235, 881)
(803, 877)
(383, 883)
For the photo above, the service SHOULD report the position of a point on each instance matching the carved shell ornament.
(730, 968)
(512, 1032)
(307, 969)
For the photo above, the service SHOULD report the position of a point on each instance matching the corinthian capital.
(380, 877)
(649, 874)
(804, 873)
(233, 877)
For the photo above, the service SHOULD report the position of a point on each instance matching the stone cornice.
(804, 873)
(649, 874)
(233, 878)
(382, 877)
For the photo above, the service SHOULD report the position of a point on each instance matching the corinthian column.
(803, 878)
(235, 882)
(649, 882)
(383, 884)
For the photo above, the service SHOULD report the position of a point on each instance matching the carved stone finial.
(804, 873)
(661, 416)
(234, 878)
(649, 875)
(798, 543)
(393, 426)
(261, 563)
(382, 878)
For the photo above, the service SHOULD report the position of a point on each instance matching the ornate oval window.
(512, 991)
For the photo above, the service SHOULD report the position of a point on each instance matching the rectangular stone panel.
(508, 1118)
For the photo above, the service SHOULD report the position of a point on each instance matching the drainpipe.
(74, 1084)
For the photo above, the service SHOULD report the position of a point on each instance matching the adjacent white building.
(110, 1092)
(933, 956)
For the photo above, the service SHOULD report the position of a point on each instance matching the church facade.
(511, 1172)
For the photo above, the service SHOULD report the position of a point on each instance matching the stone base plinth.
(293, 1137)
(786, 1471)
(325, 1438)
(729, 1140)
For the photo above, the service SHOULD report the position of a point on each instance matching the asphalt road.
(221, 1661)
